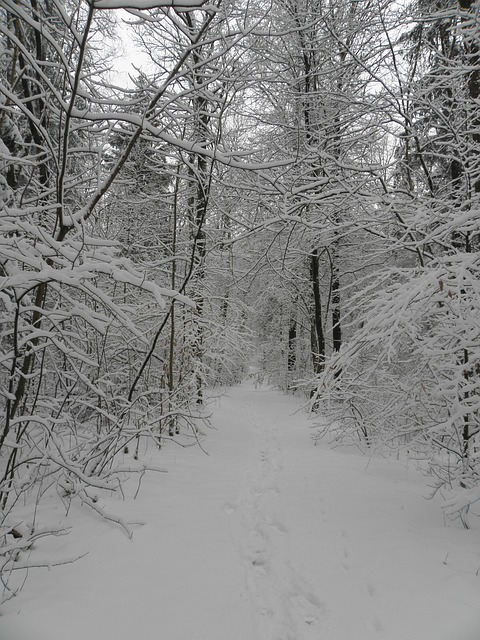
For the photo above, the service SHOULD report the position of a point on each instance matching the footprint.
(260, 566)
(377, 625)
(374, 624)
(259, 562)
(258, 541)
(278, 526)
(308, 607)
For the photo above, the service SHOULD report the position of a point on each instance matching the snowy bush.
(410, 377)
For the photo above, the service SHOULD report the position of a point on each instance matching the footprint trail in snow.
(284, 605)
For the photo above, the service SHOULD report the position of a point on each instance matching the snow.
(150, 4)
(267, 537)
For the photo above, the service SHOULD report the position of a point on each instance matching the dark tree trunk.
(292, 343)
(319, 354)
(336, 314)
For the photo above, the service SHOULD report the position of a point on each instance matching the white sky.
(128, 53)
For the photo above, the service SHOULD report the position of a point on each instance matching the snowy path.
(266, 538)
(284, 604)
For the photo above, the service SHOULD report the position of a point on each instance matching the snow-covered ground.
(265, 538)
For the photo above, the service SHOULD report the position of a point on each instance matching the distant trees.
(320, 105)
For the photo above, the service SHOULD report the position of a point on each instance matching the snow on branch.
(183, 5)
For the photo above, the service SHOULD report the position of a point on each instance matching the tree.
(71, 391)
(317, 95)
(416, 342)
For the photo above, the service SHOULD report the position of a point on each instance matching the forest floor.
(267, 537)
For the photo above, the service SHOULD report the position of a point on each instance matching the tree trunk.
(318, 355)
(292, 345)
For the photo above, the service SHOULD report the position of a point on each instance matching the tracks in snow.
(284, 606)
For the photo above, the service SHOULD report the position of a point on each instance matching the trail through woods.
(265, 538)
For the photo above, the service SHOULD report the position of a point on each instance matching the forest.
(289, 187)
